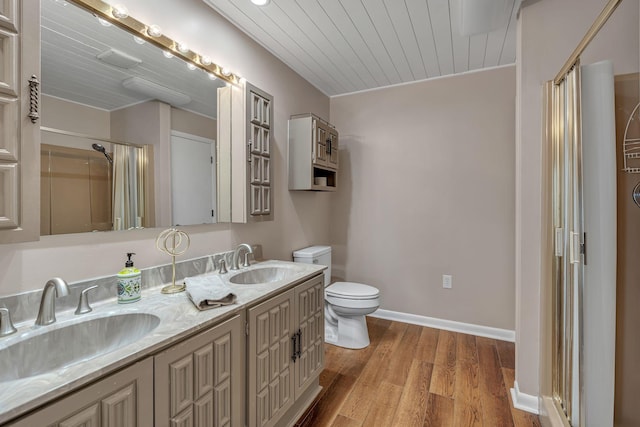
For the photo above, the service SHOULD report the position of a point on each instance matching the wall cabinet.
(198, 382)
(313, 154)
(248, 135)
(19, 134)
(285, 353)
(124, 399)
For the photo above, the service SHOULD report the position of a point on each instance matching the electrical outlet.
(446, 281)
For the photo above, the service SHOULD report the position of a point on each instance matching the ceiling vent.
(118, 58)
(156, 91)
(484, 16)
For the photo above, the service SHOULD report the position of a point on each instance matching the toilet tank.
(320, 255)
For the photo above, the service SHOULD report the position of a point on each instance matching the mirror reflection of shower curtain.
(128, 187)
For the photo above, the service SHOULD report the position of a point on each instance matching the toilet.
(345, 303)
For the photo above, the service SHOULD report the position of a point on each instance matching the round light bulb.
(261, 2)
(226, 71)
(104, 22)
(183, 47)
(154, 31)
(167, 54)
(191, 66)
(139, 40)
(212, 76)
(119, 11)
(205, 60)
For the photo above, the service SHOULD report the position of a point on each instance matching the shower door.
(568, 244)
(584, 276)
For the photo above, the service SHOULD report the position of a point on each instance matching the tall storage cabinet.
(313, 154)
(19, 128)
(248, 134)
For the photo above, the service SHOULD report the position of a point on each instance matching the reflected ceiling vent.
(484, 16)
(119, 58)
(156, 91)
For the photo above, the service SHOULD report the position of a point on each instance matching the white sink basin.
(262, 275)
(47, 350)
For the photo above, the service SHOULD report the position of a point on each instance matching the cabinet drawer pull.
(294, 339)
(34, 96)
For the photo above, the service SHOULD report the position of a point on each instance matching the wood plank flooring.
(417, 376)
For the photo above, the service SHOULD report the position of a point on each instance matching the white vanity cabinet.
(123, 399)
(313, 154)
(198, 382)
(247, 133)
(19, 125)
(285, 354)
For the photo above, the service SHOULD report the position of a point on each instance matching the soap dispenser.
(129, 282)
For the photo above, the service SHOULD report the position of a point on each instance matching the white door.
(192, 179)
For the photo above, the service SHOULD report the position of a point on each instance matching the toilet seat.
(352, 290)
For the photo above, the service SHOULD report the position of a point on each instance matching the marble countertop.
(179, 318)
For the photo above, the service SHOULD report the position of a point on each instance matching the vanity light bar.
(106, 11)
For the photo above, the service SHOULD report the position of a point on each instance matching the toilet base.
(350, 332)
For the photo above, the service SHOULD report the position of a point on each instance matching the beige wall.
(426, 188)
(548, 32)
(192, 123)
(627, 412)
(69, 116)
(301, 219)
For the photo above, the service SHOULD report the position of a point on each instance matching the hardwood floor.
(416, 376)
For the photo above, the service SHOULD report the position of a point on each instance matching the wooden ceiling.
(71, 40)
(344, 46)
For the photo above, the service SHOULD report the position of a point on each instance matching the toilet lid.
(351, 290)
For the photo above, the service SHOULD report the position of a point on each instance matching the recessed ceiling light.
(260, 2)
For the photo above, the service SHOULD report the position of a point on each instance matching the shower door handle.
(574, 248)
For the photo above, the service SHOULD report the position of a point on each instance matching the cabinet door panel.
(123, 399)
(181, 372)
(19, 136)
(185, 419)
(204, 411)
(199, 380)
(9, 14)
(86, 418)
(269, 360)
(222, 404)
(119, 409)
(9, 110)
(203, 375)
(309, 314)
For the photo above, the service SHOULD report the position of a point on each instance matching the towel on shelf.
(209, 292)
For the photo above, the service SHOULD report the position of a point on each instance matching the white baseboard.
(447, 325)
(525, 402)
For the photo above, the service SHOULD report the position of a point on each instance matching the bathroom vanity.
(254, 363)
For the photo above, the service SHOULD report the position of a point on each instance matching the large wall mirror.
(128, 129)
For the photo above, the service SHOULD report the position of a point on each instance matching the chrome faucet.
(6, 326)
(47, 311)
(236, 255)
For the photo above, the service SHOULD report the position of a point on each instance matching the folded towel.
(209, 292)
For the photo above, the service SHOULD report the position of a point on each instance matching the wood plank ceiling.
(343, 46)
(72, 39)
